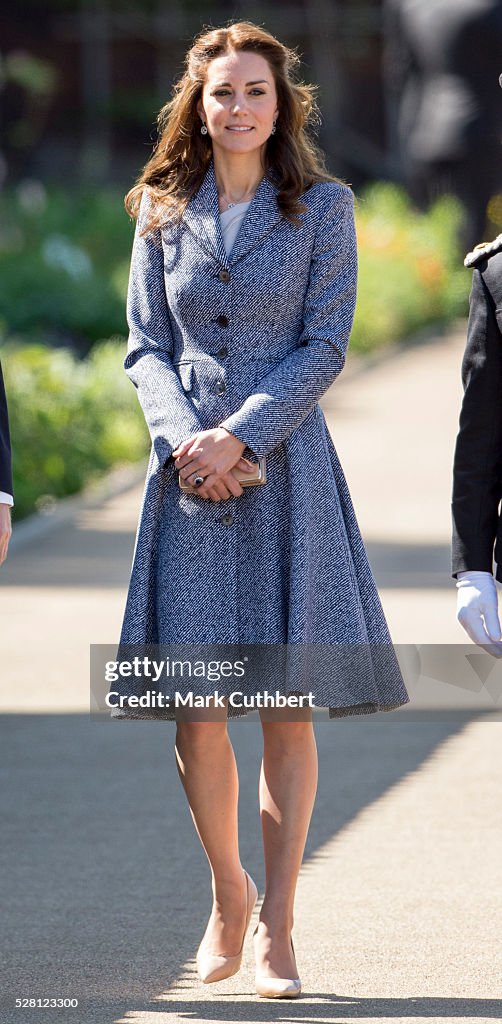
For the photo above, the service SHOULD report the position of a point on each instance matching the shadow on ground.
(103, 872)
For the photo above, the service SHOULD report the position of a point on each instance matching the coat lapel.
(202, 217)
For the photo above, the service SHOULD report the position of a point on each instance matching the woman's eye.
(225, 92)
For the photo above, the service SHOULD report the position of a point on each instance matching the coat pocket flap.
(185, 373)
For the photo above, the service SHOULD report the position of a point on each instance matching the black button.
(219, 387)
(222, 352)
(224, 276)
(227, 519)
(222, 320)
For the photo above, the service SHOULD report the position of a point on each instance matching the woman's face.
(239, 93)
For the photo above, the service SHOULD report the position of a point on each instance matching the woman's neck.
(237, 179)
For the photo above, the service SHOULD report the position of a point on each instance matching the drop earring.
(203, 129)
(273, 127)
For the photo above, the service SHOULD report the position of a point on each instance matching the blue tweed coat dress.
(252, 340)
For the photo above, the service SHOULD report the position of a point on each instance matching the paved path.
(399, 899)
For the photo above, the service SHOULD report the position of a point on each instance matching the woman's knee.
(198, 736)
(286, 735)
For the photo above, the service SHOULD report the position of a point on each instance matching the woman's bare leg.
(207, 768)
(287, 789)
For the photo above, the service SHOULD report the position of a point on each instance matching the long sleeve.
(170, 415)
(5, 450)
(477, 469)
(288, 393)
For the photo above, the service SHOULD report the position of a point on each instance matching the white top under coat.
(231, 220)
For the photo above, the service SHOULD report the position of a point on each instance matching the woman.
(237, 327)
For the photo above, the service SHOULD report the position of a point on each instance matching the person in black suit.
(477, 466)
(444, 122)
(6, 490)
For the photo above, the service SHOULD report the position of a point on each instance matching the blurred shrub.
(411, 269)
(64, 264)
(70, 420)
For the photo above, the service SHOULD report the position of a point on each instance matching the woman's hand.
(212, 454)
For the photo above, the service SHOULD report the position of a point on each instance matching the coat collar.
(202, 217)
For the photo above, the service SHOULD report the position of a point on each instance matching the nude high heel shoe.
(277, 988)
(215, 966)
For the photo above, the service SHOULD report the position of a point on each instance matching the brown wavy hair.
(181, 156)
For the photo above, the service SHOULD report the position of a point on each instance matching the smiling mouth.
(239, 128)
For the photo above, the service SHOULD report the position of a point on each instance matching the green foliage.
(64, 263)
(70, 420)
(411, 270)
(37, 77)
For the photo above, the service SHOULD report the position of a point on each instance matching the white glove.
(477, 607)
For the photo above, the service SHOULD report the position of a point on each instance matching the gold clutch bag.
(259, 476)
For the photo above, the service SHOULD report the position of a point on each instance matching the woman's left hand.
(212, 454)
